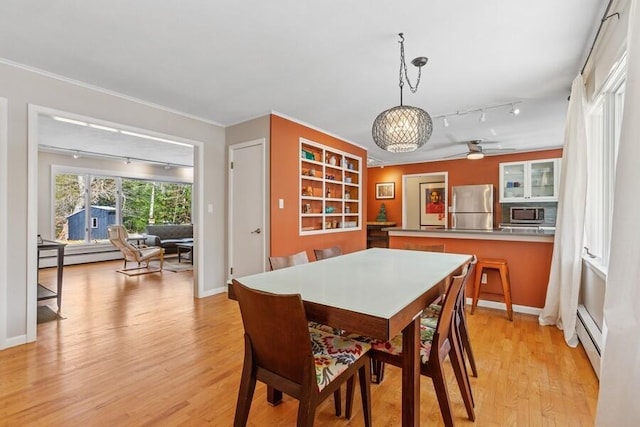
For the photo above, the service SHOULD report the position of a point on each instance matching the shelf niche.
(330, 189)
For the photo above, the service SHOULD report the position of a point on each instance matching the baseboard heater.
(81, 257)
(590, 336)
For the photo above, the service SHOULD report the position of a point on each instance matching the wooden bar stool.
(496, 264)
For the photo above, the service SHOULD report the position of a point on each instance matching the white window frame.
(604, 119)
(118, 176)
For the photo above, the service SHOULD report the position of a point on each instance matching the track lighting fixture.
(81, 154)
(483, 112)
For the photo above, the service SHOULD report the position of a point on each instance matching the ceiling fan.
(477, 152)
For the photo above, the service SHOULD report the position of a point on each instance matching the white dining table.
(376, 292)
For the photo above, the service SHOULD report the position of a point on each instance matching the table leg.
(60, 268)
(411, 374)
(274, 397)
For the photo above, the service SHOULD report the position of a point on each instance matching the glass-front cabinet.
(535, 180)
(330, 192)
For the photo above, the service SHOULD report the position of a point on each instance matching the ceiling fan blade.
(498, 150)
(460, 155)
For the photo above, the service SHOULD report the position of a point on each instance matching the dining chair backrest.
(278, 262)
(443, 328)
(423, 247)
(469, 270)
(461, 320)
(327, 253)
(276, 329)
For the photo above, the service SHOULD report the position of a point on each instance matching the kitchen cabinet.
(530, 181)
(377, 236)
(330, 189)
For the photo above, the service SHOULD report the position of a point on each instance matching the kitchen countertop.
(514, 234)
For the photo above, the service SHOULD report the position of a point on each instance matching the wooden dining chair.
(435, 345)
(327, 252)
(431, 314)
(278, 262)
(282, 352)
(434, 311)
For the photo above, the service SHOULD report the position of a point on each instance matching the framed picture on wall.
(433, 203)
(385, 190)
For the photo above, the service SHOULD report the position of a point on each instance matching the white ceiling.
(331, 64)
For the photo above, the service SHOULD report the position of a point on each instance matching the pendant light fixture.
(403, 128)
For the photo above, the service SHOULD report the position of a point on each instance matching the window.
(604, 124)
(85, 205)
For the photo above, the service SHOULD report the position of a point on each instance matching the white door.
(247, 208)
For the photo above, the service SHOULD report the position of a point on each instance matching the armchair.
(118, 237)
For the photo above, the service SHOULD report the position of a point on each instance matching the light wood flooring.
(141, 351)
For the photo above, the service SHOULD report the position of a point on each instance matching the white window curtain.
(620, 370)
(561, 303)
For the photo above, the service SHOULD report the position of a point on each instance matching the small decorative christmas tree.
(382, 214)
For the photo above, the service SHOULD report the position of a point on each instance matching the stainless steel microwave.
(526, 215)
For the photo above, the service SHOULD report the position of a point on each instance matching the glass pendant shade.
(402, 129)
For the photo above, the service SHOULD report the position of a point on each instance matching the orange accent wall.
(461, 172)
(284, 162)
(529, 264)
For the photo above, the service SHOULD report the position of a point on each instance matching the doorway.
(35, 116)
(247, 195)
(414, 200)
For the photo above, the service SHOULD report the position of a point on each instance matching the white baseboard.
(15, 341)
(214, 291)
(501, 306)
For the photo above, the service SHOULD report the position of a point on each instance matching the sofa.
(168, 236)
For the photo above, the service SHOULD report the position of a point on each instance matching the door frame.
(405, 197)
(32, 203)
(3, 221)
(265, 235)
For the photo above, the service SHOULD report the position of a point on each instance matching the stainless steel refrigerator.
(472, 207)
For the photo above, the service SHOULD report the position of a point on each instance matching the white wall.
(23, 88)
(3, 222)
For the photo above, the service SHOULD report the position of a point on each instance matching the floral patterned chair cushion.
(430, 315)
(333, 354)
(325, 328)
(394, 345)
